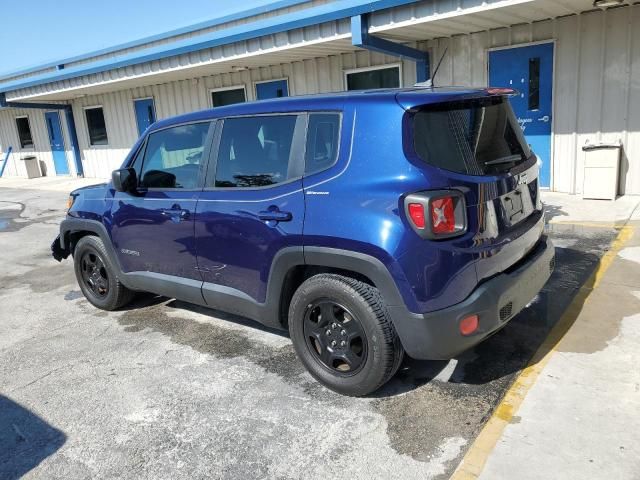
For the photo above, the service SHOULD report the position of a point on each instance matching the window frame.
(86, 121)
(206, 154)
(242, 87)
(340, 115)
(298, 143)
(33, 142)
(386, 66)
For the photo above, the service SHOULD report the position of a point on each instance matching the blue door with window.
(145, 113)
(275, 89)
(56, 141)
(530, 71)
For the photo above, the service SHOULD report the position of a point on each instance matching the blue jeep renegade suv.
(368, 224)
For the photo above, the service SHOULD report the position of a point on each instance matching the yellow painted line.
(610, 225)
(476, 457)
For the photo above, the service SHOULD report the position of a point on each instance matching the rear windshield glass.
(475, 137)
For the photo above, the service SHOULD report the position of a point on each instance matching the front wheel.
(97, 277)
(343, 335)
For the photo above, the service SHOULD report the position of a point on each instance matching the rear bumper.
(436, 335)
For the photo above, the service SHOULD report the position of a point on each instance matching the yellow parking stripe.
(476, 457)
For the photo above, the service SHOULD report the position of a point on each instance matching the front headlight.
(70, 201)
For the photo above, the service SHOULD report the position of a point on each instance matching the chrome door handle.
(275, 216)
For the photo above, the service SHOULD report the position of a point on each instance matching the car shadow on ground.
(25, 439)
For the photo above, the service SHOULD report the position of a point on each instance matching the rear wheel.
(96, 275)
(343, 335)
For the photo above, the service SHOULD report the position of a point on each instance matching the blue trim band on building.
(304, 18)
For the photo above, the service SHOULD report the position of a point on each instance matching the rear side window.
(173, 157)
(475, 137)
(323, 137)
(256, 151)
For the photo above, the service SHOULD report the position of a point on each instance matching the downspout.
(71, 124)
(6, 160)
(360, 37)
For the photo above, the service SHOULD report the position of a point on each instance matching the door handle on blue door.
(176, 213)
(275, 216)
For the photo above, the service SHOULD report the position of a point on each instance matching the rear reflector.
(416, 213)
(443, 219)
(469, 324)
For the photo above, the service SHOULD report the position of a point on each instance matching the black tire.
(97, 277)
(362, 366)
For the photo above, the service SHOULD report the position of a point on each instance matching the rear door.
(152, 230)
(253, 204)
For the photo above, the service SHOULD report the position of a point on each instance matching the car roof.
(407, 98)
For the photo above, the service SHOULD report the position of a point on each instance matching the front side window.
(24, 132)
(323, 135)
(378, 78)
(256, 151)
(173, 156)
(220, 98)
(96, 126)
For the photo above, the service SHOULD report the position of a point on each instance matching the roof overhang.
(309, 33)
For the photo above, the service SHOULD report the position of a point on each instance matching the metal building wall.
(41, 146)
(597, 84)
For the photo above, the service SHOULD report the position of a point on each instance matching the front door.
(152, 230)
(57, 143)
(273, 89)
(252, 206)
(530, 71)
(145, 113)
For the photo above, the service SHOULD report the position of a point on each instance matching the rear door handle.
(176, 213)
(275, 216)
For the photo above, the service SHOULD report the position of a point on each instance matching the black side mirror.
(125, 180)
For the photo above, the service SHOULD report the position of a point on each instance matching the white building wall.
(597, 84)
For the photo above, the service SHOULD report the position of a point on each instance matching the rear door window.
(173, 157)
(475, 137)
(258, 151)
(323, 139)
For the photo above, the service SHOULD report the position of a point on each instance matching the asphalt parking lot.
(169, 390)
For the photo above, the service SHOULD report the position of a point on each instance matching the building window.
(24, 132)
(364, 79)
(534, 83)
(228, 96)
(256, 151)
(173, 157)
(96, 126)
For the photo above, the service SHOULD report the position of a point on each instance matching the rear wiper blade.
(509, 159)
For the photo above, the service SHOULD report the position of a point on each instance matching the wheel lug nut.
(343, 333)
(328, 332)
(335, 325)
(334, 343)
(343, 343)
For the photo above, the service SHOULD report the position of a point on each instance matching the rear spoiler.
(421, 96)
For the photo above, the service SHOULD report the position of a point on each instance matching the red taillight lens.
(416, 213)
(443, 218)
(469, 324)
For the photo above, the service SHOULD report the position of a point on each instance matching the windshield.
(476, 137)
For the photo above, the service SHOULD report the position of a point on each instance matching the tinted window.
(24, 132)
(256, 151)
(476, 137)
(380, 78)
(227, 97)
(97, 127)
(534, 83)
(173, 157)
(323, 136)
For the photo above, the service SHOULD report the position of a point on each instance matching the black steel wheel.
(335, 336)
(343, 334)
(96, 275)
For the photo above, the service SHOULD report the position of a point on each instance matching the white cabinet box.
(601, 171)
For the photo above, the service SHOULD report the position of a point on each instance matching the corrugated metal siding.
(40, 135)
(596, 95)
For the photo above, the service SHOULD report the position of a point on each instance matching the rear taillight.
(437, 214)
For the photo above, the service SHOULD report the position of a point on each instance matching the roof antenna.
(430, 83)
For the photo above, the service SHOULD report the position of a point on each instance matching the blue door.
(275, 89)
(145, 113)
(57, 143)
(530, 71)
